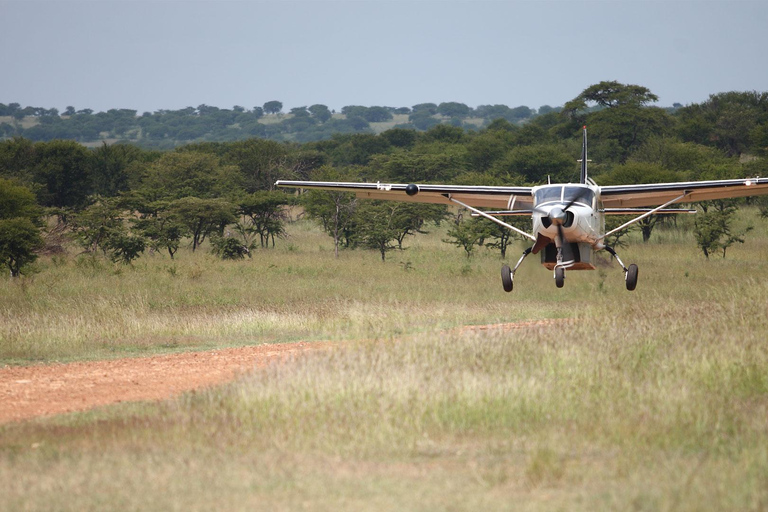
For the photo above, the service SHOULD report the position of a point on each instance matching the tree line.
(123, 200)
(165, 129)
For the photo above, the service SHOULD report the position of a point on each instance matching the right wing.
(654, 194)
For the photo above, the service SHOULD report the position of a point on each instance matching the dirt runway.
(43, 390)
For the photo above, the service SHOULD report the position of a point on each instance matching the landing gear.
(559, 276)
(508, 276)
(630, 274)
(631, 277)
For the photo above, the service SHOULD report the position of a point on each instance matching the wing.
(653, 194)
(477, 196)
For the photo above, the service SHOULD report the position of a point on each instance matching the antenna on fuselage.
(583, 177)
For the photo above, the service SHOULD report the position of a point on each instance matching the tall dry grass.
(651, 400)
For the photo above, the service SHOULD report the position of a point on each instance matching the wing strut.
(490, 217)
(641, 217)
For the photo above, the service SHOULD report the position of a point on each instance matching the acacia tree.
(203, 217)
(334, 210)
(713, 228)
(273, 107)
(19, 231)
(161, 226)
(623, 119)
(265, 215)
(467, 233)
(375, 226)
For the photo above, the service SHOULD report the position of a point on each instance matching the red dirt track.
(42, 390)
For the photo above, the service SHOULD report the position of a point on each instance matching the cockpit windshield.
(565, 194)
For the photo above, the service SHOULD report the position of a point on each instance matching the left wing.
(653, 194)
(476, 196)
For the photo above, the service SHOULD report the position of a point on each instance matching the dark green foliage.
(273, 107)
(375, 226)
(95, 225)
(124, 247)
(203, 217)
(264, 215)
(453, 109)
(535, 163)
(334, 210)
(63, 169)
(714, 227)
(400, 138)
(467, 232)
(228, 248)
(19, 227)
(120, 196)
(19, 239)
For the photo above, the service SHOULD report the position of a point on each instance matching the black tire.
(506, 278)
(559, 277)
(632, 277)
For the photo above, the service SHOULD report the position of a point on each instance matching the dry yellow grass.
(651, 400)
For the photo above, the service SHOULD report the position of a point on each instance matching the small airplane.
(568, 219)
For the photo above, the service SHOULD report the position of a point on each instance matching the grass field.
(651, 400)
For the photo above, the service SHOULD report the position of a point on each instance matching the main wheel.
(506, 278)
(632, 277)
(559, 277)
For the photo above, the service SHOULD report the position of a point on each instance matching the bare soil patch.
(43, 390)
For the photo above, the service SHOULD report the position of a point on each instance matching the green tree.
(17, 159)
(228, 248)
(19, 239)
(619, 116)
(535, 163)
(161, 227)
(111, 168)
(203, 217)
(273, 107)
(125, 246)
(265, 214)
(188, 173)
(321, 112)
(334, 210)
(467, 233)
(63, 169)
(713, 228)
(453, 109)
(262, 162)
(19, 227)
(374, 226)
(93, 226)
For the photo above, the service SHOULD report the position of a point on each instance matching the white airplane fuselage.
(572, 211)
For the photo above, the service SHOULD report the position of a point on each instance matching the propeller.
(558, 216)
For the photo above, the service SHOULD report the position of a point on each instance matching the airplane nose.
(557, 216)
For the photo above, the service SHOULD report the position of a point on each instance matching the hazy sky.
(150, 55)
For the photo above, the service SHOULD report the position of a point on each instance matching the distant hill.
(169, 128)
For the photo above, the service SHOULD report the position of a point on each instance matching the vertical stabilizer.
(583, 178)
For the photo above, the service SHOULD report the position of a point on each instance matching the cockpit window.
(580, 195)
(549, 195)
(564, 194)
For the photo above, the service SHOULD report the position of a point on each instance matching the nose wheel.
(559, 276)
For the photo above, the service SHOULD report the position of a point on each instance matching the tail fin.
(583, 178)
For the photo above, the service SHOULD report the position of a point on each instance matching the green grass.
(650, 400)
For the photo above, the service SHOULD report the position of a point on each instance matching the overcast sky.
(150, 55)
